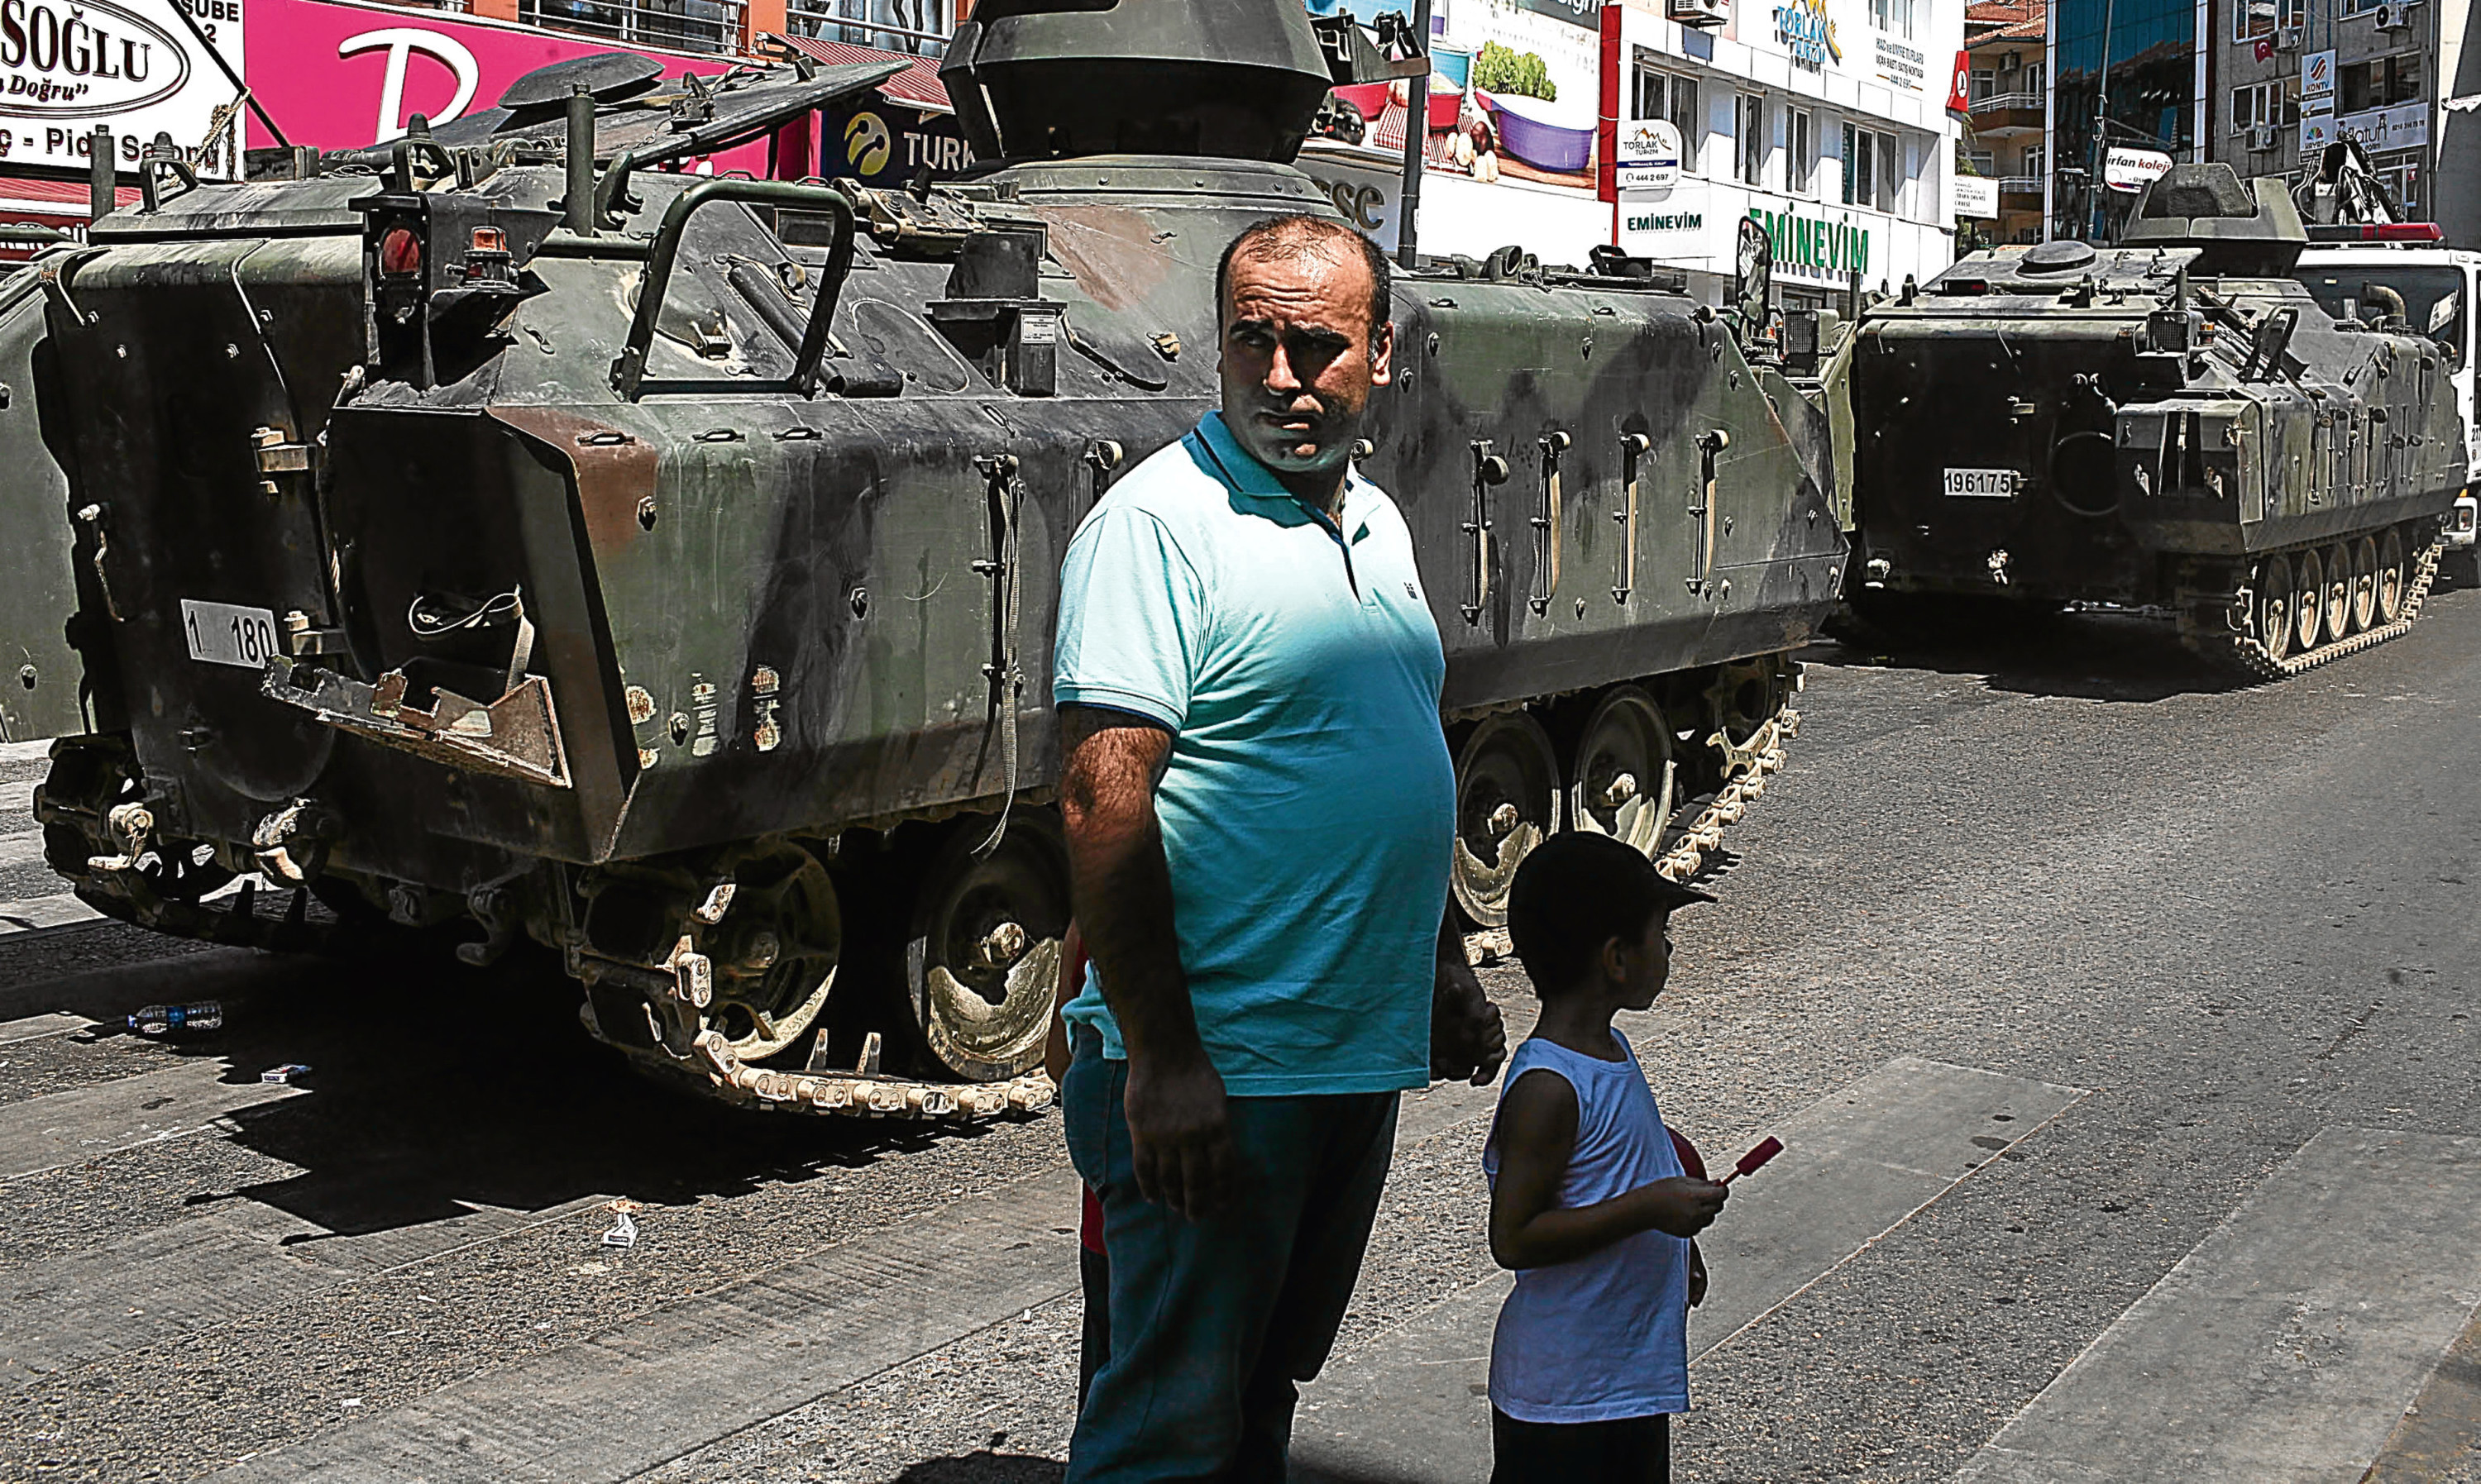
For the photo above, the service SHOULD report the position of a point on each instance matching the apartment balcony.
(2021, 186)
(2006, 113)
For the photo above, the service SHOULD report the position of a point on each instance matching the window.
(2255, 18)
(1892, 16)
(2381, 81)
(1752, 130)
(1802, 166)
(1860, 166)
(1669, 96)
(2266, 105)
(1890, 173)
(1983, 162)
(1981, 82)
(2031, 168)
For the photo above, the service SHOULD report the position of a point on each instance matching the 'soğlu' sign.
(60, 60)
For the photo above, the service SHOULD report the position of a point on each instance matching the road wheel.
(2365, 583)
(984, 957)
(2309, 609)
(2393, 576)
(773, 950)
(1620, 783)
(2274, 620)
(1508, 802)
(2338, 592)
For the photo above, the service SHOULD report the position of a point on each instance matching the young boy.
(1588, 1203)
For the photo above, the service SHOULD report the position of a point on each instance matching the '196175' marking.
(1982, 483)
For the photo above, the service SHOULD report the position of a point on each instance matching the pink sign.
(345, 76)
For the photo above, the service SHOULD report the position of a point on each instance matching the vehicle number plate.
(224, 634)
(1982, 483)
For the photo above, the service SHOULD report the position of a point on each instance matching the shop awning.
(916, 86)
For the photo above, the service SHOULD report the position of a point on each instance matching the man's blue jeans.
(1214, 1323)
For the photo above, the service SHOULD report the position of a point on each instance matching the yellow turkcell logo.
(867, 144)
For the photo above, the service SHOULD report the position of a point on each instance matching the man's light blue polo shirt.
(1309, 803)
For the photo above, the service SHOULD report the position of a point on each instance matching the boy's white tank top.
(1607, 1335)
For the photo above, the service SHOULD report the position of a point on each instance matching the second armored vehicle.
(2169, 422)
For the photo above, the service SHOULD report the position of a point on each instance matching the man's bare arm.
(1178, 1124)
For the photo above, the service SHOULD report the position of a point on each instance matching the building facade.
(1824, 120)
(2152, 97)
(2006, 138)
(2403, 77)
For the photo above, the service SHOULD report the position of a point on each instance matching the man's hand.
(1467, 1039)
(1683, 1205)
(1179, 1136)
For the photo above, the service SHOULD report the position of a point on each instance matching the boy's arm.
(1537, 1133)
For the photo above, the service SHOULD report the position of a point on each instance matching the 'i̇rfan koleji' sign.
(67, 65)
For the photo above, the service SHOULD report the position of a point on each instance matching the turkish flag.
(2265, 49)
(1958, 100)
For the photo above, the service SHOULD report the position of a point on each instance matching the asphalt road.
(2119, 1022)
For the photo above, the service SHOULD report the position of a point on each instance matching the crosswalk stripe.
(59, 909)
(36, 1028)
(18, 797)
(240, 1259)
(64, 1128)
(1417, 1392)
(25, 752)
(2288, 1344)
(643, 1392)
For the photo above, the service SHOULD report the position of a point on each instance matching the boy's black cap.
(1671, 895)
(1577, 891)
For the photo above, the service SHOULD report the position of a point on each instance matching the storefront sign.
(2316, 73)
(343, 76)
(1575, 13)
(882, 143)
(1806, 34)
(67, 65)
(1649, 155)
(1823, 249)
(1959, 87)
(2133, 170)
(1900, 65)
(2405, 126)
(1976, 197)
(2316, 132)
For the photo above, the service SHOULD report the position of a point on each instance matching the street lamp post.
(2101, 114)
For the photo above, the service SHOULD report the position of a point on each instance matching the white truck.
(2358, 272)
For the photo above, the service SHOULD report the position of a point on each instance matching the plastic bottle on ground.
(165, 1019)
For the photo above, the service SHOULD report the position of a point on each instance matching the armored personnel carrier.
(498, 534)
(2168, 422)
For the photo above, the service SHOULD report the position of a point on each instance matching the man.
(1260, 805)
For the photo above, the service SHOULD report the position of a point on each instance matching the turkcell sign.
(1808, 246)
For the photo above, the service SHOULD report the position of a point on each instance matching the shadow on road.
(985, 1466)
(2090, 656)
(438, 1088)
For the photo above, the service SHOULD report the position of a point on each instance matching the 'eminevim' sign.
(1804, 243)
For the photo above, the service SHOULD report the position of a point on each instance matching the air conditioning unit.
(2289, 38)
(2392, 18)
(2263, 137)
(2010, 62)
(1703, 14)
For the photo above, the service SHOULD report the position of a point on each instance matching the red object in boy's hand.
(1755, 1160)
(1690, 1165)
